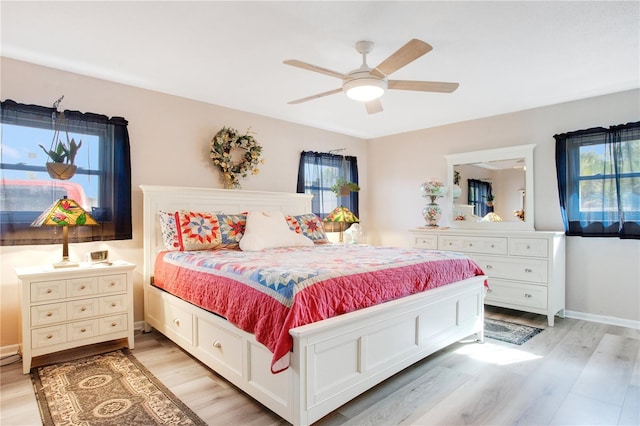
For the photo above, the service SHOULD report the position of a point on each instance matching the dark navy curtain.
(113, 169)
(598, 172)
(318, 171)
(479, 193)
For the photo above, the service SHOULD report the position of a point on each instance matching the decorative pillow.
(308, 225)
(270, 230)
(186, 230)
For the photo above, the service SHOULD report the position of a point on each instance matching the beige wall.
(603, 274)
(169, 146)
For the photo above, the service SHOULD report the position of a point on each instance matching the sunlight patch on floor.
(495, 353)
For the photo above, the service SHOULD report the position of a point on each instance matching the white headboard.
(173, 198)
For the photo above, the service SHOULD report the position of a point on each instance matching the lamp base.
(65, 263)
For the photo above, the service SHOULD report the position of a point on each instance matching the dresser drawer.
(48, 290)
(528, 295)
(221, 344)
(471, 244)
(113, 304)
(426, 241)
(534, 247)
(112, 283)
(112, 324)
(48, 314)
(48, 336)
(530, 270)
(85, 286)
(82, 329)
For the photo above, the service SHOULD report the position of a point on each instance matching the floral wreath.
(222, 144)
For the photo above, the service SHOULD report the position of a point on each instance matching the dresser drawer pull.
(49, 314)
(82, 287)
(112, 284)
(83, 309)
(83, 330)
(113, 324)
(470, 244)
(113, 304)
(528, 270)
(528, 246)
(49, 336)
(217, 344)
(488, 267)
(492, 246)
(49, 291)
(527, 295)
(176, 321)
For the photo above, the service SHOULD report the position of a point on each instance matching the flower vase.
(432, 213)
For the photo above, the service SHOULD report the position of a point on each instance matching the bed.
(331, 360)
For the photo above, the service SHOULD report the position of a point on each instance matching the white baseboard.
(9, 350)
(603, 319)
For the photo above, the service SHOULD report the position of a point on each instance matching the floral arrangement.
(223, 143)
(433, 187)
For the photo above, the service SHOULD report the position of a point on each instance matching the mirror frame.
(497, 154)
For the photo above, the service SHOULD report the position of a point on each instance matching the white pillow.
(270, 230)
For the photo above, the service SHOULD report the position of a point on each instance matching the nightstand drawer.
(48, 290)
(82, 329)
(112, 283)
(48, 314)
(48, 336)
(78, 287)
(113, 324)
(113, 304)
(84, 308)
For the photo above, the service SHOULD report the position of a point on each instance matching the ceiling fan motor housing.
(362, 86)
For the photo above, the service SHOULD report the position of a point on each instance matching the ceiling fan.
(367, 84)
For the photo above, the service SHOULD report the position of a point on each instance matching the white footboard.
(333, 360)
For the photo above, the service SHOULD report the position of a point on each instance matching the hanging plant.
(343, 187)
(62, 154)
(223, 143)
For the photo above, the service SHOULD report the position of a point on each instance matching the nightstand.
(70, 307)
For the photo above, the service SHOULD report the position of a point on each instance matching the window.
(101, 184)
(480, 197)
(599, 181)
(318, 171)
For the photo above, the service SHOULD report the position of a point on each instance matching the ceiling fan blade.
(306, 66)
(403, 56)
(422, 86)
(319, 95)
(373, 106)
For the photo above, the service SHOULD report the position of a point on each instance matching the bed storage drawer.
(224, 346)
(505, 292)
(169, 317)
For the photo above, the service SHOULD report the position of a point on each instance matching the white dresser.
(70, 307)
(526, 269)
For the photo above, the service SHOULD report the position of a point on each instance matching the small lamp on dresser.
(65, 212)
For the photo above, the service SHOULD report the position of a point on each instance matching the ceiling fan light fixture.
(364, 89)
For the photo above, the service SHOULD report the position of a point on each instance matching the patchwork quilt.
(269, 292)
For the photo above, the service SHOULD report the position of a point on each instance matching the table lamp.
(340, 216)
(65, 212)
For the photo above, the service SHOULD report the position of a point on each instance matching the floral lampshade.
(65, 212)
(433, 188)
(340, 217)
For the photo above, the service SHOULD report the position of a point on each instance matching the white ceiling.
(507, 56)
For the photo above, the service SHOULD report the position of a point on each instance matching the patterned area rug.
(509, 332)
(108, 389)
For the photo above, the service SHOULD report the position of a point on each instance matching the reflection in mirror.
(494, 188)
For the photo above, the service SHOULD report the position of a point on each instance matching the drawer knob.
(82, 287)
(528, 270)
(528, 246)
(217, 344)
(176, 322)
(49, 314)
(49, 291)
(492, 246)
(489, 267)
(113, 304)
(527, 295)
(83, 330)
(489, 290)
(470, 244)
(112, 283)
(49, 336)
(113, 324)
(83, 309)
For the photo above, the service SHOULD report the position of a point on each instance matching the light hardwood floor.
(575, 373)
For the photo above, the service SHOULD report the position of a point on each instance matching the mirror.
(501, 189)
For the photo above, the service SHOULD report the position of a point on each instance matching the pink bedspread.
(267, 293)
